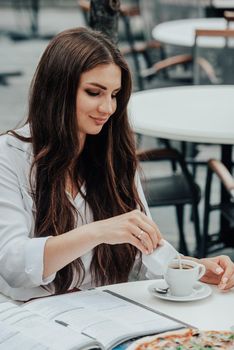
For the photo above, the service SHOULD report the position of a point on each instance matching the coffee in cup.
(181, 275)
(183, 266)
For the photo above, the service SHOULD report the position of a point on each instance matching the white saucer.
(200, 291)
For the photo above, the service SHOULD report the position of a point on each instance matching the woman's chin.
(95, 131)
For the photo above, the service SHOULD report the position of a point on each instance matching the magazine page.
(12, 339)
(49, 334)
(103, 316)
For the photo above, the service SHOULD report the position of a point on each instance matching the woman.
(72, 210)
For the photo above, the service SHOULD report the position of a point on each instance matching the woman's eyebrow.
(98, 85)
(102, 86)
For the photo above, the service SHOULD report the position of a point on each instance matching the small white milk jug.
(157, 262)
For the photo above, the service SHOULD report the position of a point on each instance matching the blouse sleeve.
(21, 257)
(153, 264)
(142, 195)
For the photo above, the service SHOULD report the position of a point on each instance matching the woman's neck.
(82, 138)
(71, 187)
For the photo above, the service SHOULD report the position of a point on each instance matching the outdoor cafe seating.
(197, 65)
(201, 65)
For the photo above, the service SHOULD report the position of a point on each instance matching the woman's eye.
(92, 93)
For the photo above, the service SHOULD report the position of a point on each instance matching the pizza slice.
(187, 339)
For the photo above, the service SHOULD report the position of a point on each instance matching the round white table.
(203, 114)
(214, 312)
(182, 32)
(223, 4)
(190, 113)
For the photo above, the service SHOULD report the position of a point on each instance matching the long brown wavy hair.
(107, 164)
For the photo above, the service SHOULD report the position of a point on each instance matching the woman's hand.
(134, 227)
(219, 270)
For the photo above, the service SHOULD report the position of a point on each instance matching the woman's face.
(96, 97)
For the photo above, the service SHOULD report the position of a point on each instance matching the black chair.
(177, 189)
(212, 242)
(138, 47)
(175, 68)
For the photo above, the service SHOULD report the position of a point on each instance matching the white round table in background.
(223, 4)
(182, 32)
(202, 114)
(190, 113)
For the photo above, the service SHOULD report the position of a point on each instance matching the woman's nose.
(106, 106)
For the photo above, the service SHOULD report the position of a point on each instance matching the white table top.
(189, 113)
(223, 4)
(182, 32)
(214, 312)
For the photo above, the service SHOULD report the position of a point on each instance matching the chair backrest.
(213, 56)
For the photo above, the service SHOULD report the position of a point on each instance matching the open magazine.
(90, 319)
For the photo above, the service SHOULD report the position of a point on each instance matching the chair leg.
(194, 163)
(205, 236)
(197, 229)
(168, 145)
(180, 220)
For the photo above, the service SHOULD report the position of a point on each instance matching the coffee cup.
(181, 276)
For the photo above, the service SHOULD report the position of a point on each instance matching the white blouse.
(21, 254)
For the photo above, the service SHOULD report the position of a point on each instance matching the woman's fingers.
(133, 227)
(212, 266)
(153, 232)
(227, 280)
(227, 284)
(220, 271)
(138, 244)
(143, 237)
(149, 231)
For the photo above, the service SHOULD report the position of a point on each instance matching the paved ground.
(23, 56)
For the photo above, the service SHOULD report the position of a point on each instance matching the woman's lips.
(99, 121)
